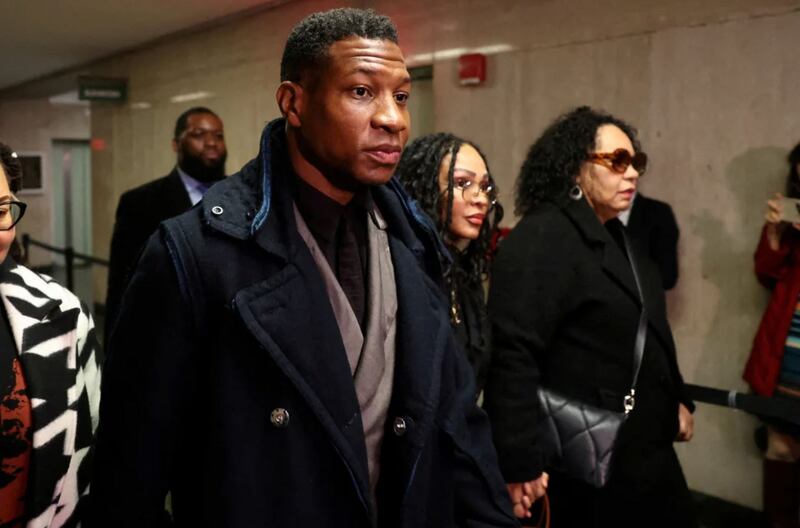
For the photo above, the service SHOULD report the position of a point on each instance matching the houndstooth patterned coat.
(61, 360)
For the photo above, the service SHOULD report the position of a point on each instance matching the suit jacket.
(139, 212)
(565, 309)
(652, 224)
(55, 339)
(228, 381)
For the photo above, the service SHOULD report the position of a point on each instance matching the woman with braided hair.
(449, 177)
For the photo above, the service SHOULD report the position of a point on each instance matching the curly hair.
(11, 166)
(555, 159)
(418, 171)
(793, 180)
(308, 43)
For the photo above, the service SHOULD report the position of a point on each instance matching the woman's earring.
(576, 193)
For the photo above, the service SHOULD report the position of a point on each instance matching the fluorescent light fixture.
(68, 98)
(452, 53)
(191, 96)
(141, 105)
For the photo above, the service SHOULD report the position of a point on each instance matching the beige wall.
(31, 125)
(711, 85)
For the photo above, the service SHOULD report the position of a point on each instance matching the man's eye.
(360, 91)
(401, 98)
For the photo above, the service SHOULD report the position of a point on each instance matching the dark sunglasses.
(619, 160)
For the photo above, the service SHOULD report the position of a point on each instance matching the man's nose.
(390, 115)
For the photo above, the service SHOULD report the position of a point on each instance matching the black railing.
(69, 257)
(781, 408)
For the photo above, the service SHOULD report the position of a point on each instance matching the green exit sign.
(102, 89)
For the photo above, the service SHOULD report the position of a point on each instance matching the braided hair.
(418, 171)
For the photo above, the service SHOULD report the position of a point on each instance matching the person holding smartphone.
(773, 368)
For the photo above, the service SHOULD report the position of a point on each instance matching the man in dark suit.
(199, 142)
(652, 225)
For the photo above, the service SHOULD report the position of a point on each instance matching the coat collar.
(616, 265)
(614, 261)
(256, 204)
(23, 286)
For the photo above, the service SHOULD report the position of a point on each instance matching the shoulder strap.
(641, 331)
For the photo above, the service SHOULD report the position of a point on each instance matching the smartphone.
(790, 210)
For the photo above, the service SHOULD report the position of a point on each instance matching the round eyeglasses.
(11, 212)
(470, 190)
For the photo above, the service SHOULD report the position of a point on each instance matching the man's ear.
(291, 100)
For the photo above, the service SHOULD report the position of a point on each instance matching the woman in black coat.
(565, 309)
(450, 180)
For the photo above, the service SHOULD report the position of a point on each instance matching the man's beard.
(197, 169)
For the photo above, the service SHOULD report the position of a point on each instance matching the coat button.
(279, 418)
(217, 210)
(400, 426)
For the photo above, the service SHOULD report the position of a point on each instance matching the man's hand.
(685, 424)
(523, 494)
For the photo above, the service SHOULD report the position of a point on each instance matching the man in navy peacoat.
(228, 383)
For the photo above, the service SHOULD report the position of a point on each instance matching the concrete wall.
(711, 85)
(31, 125)
(716, 104)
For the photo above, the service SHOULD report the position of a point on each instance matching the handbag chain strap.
(629, 402)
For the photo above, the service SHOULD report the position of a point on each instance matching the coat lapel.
(26, 306)
(612, 258)
(618, 268)
(290, 315)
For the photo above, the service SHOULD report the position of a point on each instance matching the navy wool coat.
(226, 323)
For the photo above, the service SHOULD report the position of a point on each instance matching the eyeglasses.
(11, 212)
(619, 160)
(469, 189)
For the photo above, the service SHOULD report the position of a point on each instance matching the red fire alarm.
(472, 69)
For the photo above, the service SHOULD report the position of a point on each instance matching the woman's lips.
(476, 219)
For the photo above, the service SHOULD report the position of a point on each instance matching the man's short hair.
(308, 43)
(183, 120)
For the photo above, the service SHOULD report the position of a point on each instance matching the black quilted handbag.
(579, 438)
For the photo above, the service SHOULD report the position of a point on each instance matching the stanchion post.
(26, 246)
(69, 261)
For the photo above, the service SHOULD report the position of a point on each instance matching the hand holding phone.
(788, 210)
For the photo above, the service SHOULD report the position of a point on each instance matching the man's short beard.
(194, 167)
